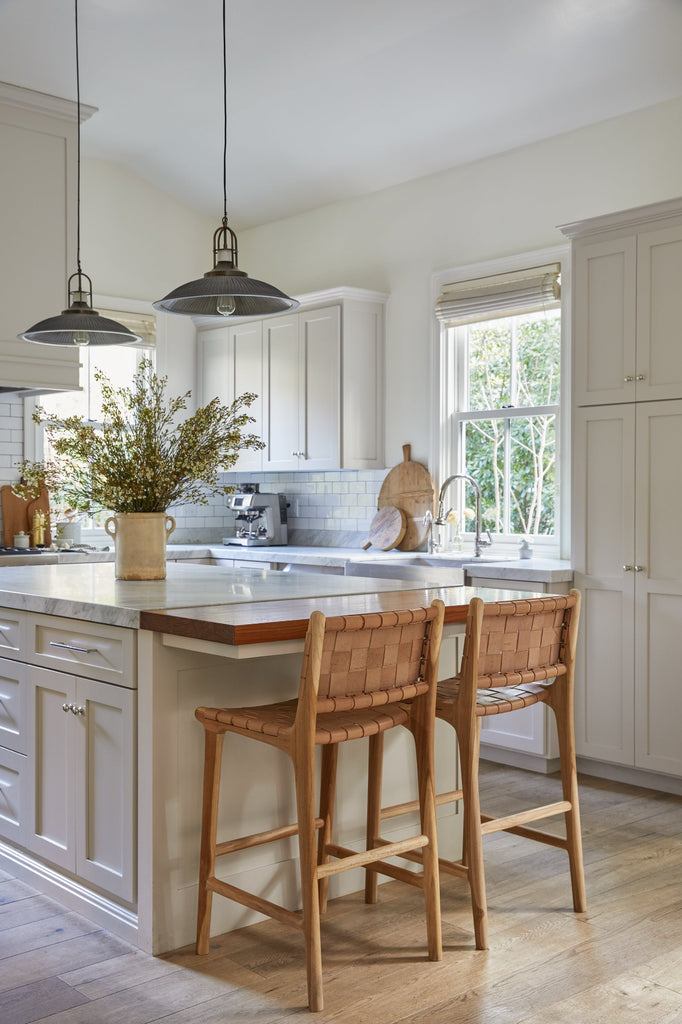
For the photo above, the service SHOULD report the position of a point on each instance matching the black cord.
(78, 153)
(224, 117)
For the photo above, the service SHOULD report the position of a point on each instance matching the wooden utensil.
(409, 486)
(17, 514)
(387, 529)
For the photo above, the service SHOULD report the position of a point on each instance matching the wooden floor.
(619, 963)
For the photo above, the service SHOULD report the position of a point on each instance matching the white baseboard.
(72, 894)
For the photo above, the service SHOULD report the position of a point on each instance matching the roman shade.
(142, 324)
(486, 298)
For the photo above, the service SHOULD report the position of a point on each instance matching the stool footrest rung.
(259, 838)
(512, 821)
(247, 899)
(352, 859)
(413, 805)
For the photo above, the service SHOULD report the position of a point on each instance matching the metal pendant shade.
(225, 290)
(80, 324)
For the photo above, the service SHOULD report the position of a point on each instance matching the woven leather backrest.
(522, 641)
(375, 659)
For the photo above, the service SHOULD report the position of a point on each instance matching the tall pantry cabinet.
(627, 485)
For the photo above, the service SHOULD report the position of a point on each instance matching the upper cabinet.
(318, 374)
(628, 305)
(37, 212)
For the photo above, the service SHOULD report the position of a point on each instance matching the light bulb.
(81, 338)
(225, 305)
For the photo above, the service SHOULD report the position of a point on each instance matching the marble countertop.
(546, 570)
(90, 591)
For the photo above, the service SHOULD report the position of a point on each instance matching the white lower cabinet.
(628, 565)
(68, 748)
(81, 778)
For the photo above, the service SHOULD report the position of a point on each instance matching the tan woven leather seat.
(361, 675)
(516, 654)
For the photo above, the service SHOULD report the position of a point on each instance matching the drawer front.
(13, 705)
(13, 783)
(107, 653)
(12, 627)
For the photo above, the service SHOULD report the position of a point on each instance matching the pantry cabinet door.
(659, 314)
(604, 557)
(658, 645)
(104, 738)
(52, 761)
(605, 321)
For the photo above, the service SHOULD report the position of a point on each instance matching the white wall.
(395, 239)
(139, 242)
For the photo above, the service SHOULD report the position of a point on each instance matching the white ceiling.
(333, 98)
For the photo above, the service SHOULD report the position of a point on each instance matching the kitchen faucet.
(442, 517)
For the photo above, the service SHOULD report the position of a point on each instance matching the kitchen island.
(101, 757)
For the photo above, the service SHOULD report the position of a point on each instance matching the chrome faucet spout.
(442, 517)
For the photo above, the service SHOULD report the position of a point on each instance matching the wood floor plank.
(69, 954)
(31, 1002)
(41, 933)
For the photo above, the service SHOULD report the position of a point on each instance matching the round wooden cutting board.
(408, 486)
(387, 528)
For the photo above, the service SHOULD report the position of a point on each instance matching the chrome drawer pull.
(72, 647)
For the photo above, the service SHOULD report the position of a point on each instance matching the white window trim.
(443, 454)
(33, 432)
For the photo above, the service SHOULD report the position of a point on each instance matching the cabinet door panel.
(659, 313)
(659, 587)
(105, 744)
(246, 355)
(319, 424)
(603, 543)
(13, 769)
(50, 818)
(214, 366)
(281, 363)
(604, 328)
(604, 672)
(13, 705)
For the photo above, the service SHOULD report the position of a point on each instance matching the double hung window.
(503, 338)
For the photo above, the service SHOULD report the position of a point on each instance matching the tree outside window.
(507, 418)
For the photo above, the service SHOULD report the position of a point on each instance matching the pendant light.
(80, 324)
(225, 290)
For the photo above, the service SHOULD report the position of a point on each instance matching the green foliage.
(143, 457)
(514, 363)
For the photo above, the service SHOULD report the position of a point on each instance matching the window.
(119, 363)
(503, 341)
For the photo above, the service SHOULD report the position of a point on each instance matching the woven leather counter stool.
(516, 654)
(361, 675)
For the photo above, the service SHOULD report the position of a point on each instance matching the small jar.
(525, 550)
(22, 540)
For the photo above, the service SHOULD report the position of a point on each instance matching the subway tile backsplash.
(329, 509)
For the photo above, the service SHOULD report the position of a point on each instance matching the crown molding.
(43, 103)
(635, 218)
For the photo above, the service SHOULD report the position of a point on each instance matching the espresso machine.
(261, 519)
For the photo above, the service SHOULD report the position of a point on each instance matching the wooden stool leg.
(374, 781)
(209, 825)
(569, 785)
(426, 777)
(330, 757)
(469, 742)
(304, 771)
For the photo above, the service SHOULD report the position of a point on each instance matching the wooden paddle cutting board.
(17, 514)
(409, 486)
(387, 529)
